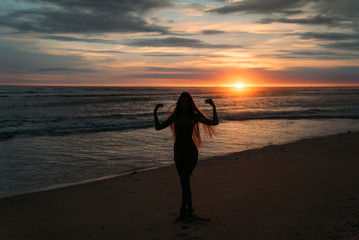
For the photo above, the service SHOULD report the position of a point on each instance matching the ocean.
(58, 136)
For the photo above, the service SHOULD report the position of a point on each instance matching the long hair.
(208, 130)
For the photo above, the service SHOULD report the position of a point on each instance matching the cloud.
(75, 39)
(318, 55)
(326, 75)
(330, 13)
(344, 11)
(316, 20)
(166, 54)
(184, 76)
(82, 16)
(345, 8)
(89, 51)
(334, 36)
(344, 41)
(14, 58)
(299, 75)
(310, 75)
(262, 6)
(176, 42)
(353, 45)
(63, 69)
(171, 69)
(212, 32)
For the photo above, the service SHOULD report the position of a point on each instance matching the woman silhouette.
(184, 122)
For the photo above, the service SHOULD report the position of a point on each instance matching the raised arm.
(166, 123)
(214, 120)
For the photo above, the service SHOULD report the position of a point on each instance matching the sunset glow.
(179, 43)
(239, 85)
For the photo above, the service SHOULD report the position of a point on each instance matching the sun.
(239, 85)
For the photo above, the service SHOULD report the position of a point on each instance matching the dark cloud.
(83, 16)
(262, 6)
(291, 12)
(64, 70)
(353, 45)
(159, 54)
(335, 36)
(344, 41)
(171, 69)
(316, 20)
(212, 32)
(89, 51)
(321, 55)
(324, 75)
(347, 9)
(14, 58)
(176, 42)
(180, 73)
(342, 13)
(166, 76)
(75, 39)
(317, 55)
(300, 75)
(312, 75)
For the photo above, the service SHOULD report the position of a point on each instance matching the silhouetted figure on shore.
(185, 123)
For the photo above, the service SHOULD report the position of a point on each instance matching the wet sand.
(303, 190)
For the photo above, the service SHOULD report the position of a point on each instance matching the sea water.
(54, 136)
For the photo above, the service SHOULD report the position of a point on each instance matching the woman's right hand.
(158, 106)
(210, 102)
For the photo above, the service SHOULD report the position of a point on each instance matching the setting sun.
(239, 85)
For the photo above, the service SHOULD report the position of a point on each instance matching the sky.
(179, 42)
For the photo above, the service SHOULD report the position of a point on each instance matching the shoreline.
(138, 170)
(307, 189)
(86, 181)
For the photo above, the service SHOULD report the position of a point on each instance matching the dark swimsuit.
(185, 150)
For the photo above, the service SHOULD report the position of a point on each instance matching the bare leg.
(185, 173)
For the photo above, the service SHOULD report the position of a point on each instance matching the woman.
(184, 122)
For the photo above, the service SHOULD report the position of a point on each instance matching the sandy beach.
(303, 190)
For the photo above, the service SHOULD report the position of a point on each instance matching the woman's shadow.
(193, 220)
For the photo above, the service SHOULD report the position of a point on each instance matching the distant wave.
(74, 124)
(300, 114)
(39, 111)
(121, 122)
(77, 128)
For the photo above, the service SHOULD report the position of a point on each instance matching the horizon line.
(194, 86)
